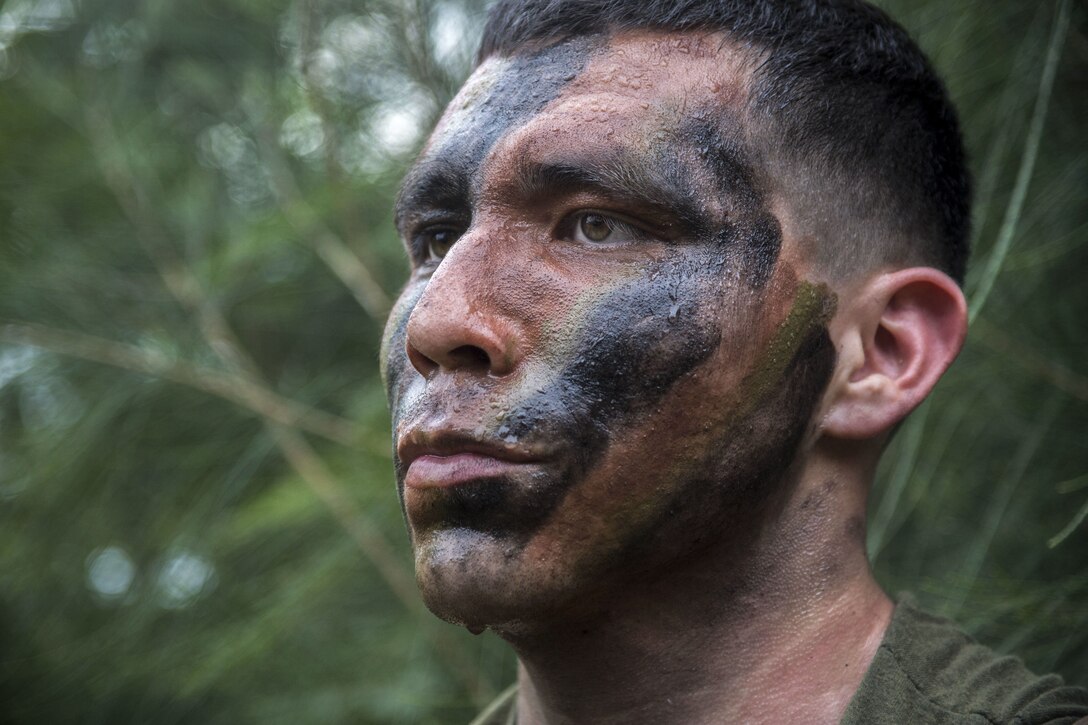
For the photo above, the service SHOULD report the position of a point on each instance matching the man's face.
(607, 355)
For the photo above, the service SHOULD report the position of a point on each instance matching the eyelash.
(424, 240)
(627, 230)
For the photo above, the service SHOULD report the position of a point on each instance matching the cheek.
(619, 350)
(715, 448)
(394, 361)
(758, 241)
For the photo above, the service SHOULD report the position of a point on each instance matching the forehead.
(639, 93)
(650, 67)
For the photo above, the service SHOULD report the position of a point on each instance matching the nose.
(459, 322)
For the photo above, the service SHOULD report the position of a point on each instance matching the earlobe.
(899, 334)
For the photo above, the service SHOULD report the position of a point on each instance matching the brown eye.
(596, 227)
(437, 242)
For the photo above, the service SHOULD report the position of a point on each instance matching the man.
(679, 270)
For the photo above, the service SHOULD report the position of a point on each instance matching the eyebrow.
(660, 184)
(438, 183)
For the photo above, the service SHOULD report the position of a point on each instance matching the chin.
(476, 579)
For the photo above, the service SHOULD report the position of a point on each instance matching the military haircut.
(854, 127)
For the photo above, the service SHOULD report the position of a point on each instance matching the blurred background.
(197, 515)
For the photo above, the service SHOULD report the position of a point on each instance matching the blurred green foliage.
(197, 516)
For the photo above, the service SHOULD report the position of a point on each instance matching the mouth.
(444, 459)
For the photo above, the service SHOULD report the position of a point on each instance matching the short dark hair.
(841, 95)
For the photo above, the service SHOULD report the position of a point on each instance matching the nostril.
(467, 357)
(470, 356)
(423, 364)
(440, 337)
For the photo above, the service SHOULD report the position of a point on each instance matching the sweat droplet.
(475, 628)
(674, 312)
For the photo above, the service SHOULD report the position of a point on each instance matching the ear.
(897, 335)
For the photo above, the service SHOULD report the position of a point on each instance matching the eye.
(596, 228)
(434, 243)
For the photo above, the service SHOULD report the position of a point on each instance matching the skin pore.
(607, 299)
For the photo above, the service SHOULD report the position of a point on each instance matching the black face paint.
(447, 175)
(394, 363)
(645, 336)
(746, 472)
(750, 223)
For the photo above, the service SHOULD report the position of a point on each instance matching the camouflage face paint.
(666, 379)
(735, 176)
(638, 339)
(446, 176)
(733, 464)
(500, 96)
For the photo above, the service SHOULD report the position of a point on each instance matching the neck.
(780, 632)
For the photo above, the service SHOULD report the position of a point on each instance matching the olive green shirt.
(928, 672)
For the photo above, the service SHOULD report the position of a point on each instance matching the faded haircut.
(858, 134)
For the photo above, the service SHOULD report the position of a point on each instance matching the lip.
(445, 459)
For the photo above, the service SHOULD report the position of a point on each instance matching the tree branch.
(332, 250)
(230, 387)
(1054, 373)
(185, 286)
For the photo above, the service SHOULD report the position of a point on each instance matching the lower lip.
(446, 471)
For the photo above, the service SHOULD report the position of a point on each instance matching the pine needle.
(1027, 164)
